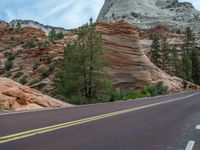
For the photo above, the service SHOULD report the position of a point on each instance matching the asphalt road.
(160, 123)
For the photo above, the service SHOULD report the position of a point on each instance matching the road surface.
(162, 123)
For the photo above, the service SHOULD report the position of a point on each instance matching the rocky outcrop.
(146, 14)
(129, 67)
(36, 25)
(15, 96)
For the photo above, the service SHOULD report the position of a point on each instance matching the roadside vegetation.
(182, 62)
(149, 91)
(1, 106)
(80, 78)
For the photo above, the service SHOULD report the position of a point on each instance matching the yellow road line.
(21, 135)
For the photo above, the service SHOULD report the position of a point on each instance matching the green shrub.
(2, 72)
(36, 65)
(7, 74)
(9, 56)
(18, 74)
(1, 106)
(47, 72)
(161, 89)
(7, 47)
(23, 81)
(60, 35)
(47, 43)
(8, 65)
(30, 44)
(33, 82)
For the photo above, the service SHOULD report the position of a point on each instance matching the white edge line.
(198, 127)
(190, 145)
(40, 110)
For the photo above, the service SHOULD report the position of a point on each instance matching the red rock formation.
(18, 97)
(130, 68)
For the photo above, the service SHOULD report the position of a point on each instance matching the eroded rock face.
(146, 14)
(129, 67)
(18, 97)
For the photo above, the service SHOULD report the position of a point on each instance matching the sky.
(60, 13)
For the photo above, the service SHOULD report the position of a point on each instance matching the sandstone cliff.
(150, 13)
(15, 96)
(130, 68)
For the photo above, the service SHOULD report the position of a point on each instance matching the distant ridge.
(35, 24)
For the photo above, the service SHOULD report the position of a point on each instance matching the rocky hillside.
(14, 96)
(146, 14)
(28, 57)
(129, 67)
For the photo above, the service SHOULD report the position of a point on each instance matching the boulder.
(15, 96)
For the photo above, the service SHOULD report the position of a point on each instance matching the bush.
(47, 73)
(23, 81)
(9, 56)
(7, 47)
(33, 82)
(8, 65)
(36, 65)
(1, 106)
(2, 72)
(30, 44)
(18, 74)
(7, 74)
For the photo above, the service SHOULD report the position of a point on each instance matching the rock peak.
(146, 14)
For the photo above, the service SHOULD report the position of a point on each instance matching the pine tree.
(189, 41)
(81, 74)
(190, 56)
(175, 62)
(156, 52)
(195, 66)
(165, 54)
(186, 68)
(18, 25)
(52, 35)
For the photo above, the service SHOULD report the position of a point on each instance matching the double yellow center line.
(30, 133)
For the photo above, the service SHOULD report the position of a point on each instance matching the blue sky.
(62, 13)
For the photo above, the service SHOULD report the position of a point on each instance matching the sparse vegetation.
(1, 106)
(30, 44)
(9, 56)
(53, 35)
(18, 74)
(36, 65)
(47, 72)
(33, 82)
(23, 81)
(8, 65)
